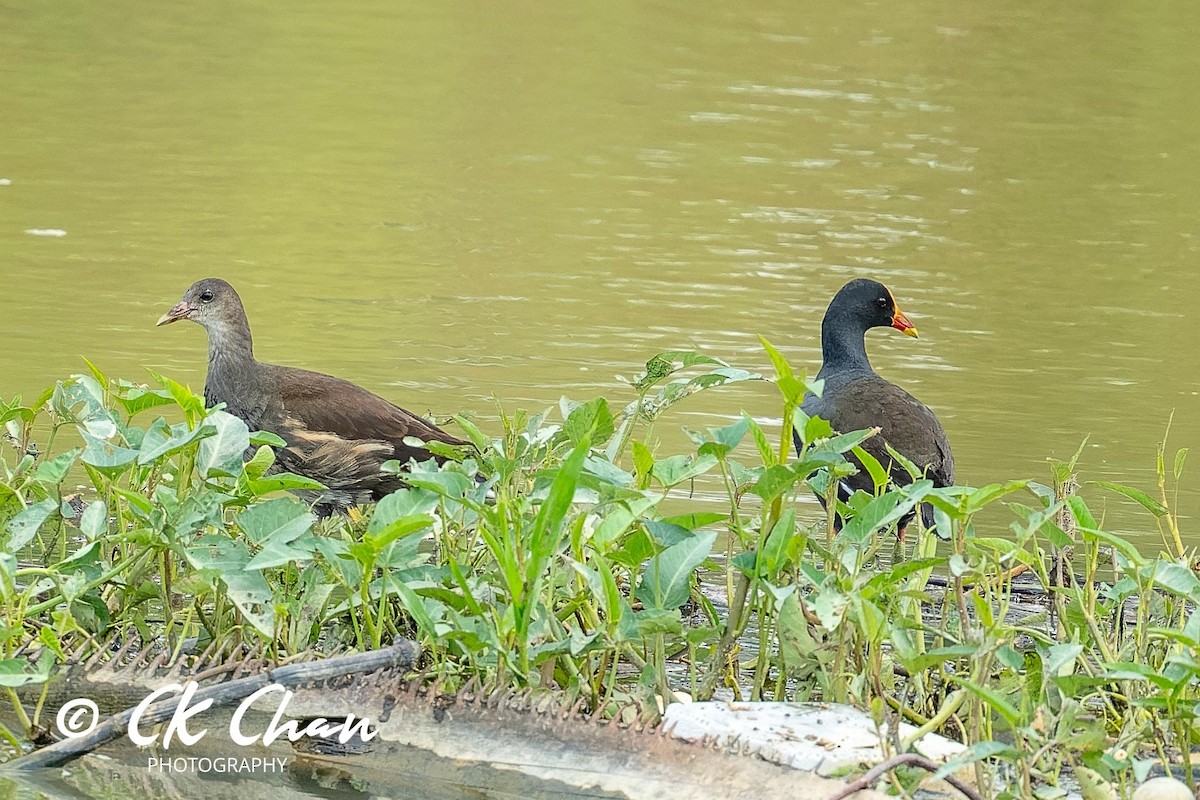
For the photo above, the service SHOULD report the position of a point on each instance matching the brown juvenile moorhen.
(855, 397)
(336, 433)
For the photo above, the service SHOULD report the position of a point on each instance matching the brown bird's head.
(867, 304)
(210, 302)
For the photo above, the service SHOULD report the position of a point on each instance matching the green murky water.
(446, 202)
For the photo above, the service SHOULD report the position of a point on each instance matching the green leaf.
(665, 534)
(591, 420)
(696, 519)
(871, 620)
(652, 621)
(976, 752)
(246, 588)
(263, 460)
(282, 519)
(879, 513)
(136, 399)
(24, 526)
(1079, 510)
(404, 526)
(100, 377)
(829, 605)
(618, 520)
(765, 451)
(162, 439)
(902, 570)
(747, 561)
(643, 462)
(674, 470)
(191, 403)
(603, 585)
(782, 368)
(774, 481)
(665, 364)
(278, 551)
(775, 549)
(139, 502)
(607, 472)
(14, 673)
(918, 662)
(94, 521)
(1176, 578)
(879, 475)
(1120, 544)
(797, 645)
(1060, 659)
(667, 579)
(814, 429)
(105, 456)
(413, 604)
(983, 496)
(903, 462)
(616, 444)
(994, 700)
(451, 485)
(846, 442)
(1146, 501)
(8, 570)
(673, 392)
(657, 369)
(399, 505)
(547, 526)
(1130, 671)
(221, 453)
(83, 390)
(477, 437)
(283, 482)
(721, 441)
(260, 438)
(53, 471)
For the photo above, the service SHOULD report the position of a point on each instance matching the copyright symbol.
(77, 718)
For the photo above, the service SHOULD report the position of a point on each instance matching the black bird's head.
(869, 304)
(210, 302)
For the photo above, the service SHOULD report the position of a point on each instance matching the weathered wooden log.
(400, 656)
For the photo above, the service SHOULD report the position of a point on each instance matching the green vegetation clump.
(567, 552)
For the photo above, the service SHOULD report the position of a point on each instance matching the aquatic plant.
(559, 555)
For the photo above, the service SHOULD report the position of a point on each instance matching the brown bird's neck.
(230, 342)
(233, 372)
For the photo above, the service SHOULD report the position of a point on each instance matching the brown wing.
(323, 403)
(905, 423)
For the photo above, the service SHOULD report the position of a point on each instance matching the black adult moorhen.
(336, 432)
(855, 397)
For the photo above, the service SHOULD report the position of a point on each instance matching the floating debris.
(1163, 789)
(45, 232)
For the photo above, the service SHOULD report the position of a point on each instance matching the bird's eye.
(206, 296)
(882, 302)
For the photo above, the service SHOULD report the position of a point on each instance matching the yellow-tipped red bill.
(902, 324)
